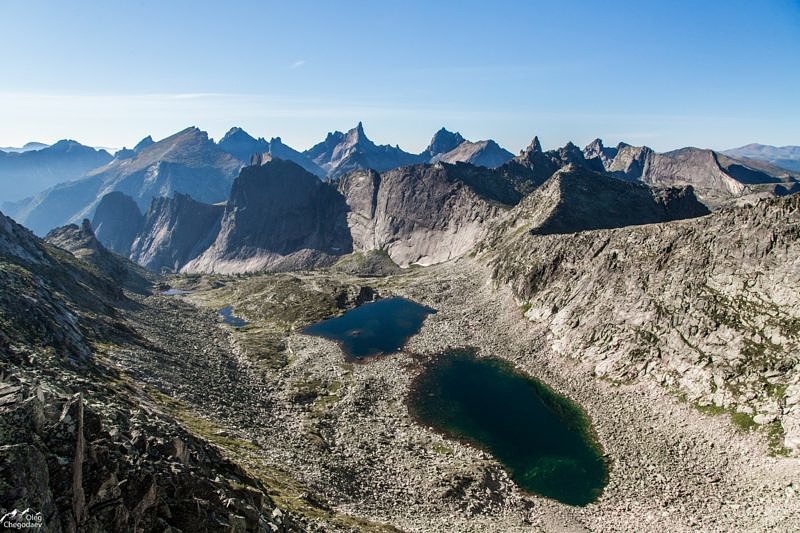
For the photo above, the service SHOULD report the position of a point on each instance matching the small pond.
(374, 328)
(174, 292)
(543, 439)
(229, 318)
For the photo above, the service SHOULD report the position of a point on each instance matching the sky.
(714, 74)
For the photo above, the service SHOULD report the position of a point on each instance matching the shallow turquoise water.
(542, 439)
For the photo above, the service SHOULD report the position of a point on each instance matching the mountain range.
(191, 163)
(281, 217)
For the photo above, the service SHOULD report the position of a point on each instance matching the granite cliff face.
(278, 216)
(707, 307)
(175, 231)
(117, 220)
(187, 162)
(422, 214)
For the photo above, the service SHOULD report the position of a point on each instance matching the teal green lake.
(542, 439)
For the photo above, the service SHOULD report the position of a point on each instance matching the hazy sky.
(667, 74)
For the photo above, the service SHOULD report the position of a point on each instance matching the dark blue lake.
(543, 439)
(375, 328)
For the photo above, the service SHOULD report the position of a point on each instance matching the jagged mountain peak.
(442, 142)
(144, 143)
(357, 136)
(236, 133)
(534, 147)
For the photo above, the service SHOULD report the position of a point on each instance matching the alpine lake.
(543, 440)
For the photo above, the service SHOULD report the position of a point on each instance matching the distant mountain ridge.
(717, 178)
(787, 157)
(281, 217)
(186, 162)
(27, 147)
(28, 171)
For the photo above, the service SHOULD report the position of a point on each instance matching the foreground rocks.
(89, 462)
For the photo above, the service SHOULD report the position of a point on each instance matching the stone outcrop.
(107, 468)
(45, 292)
(716, 178)
(575, 199)
(81, 242)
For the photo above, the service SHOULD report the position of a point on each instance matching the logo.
(26, 519)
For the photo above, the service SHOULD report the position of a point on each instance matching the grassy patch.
(743, 421)
(775, 436)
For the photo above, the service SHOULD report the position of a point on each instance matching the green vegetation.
(743, 421)
(775, 436)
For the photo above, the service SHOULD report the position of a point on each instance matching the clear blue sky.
(667, 74)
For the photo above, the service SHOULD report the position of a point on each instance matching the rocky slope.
(187, 162)
(83, 447)
(175, 231)
(117, 221)
(705, 307)
(576, 199)
(81, 242)
(280, 217)
(26, 173)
